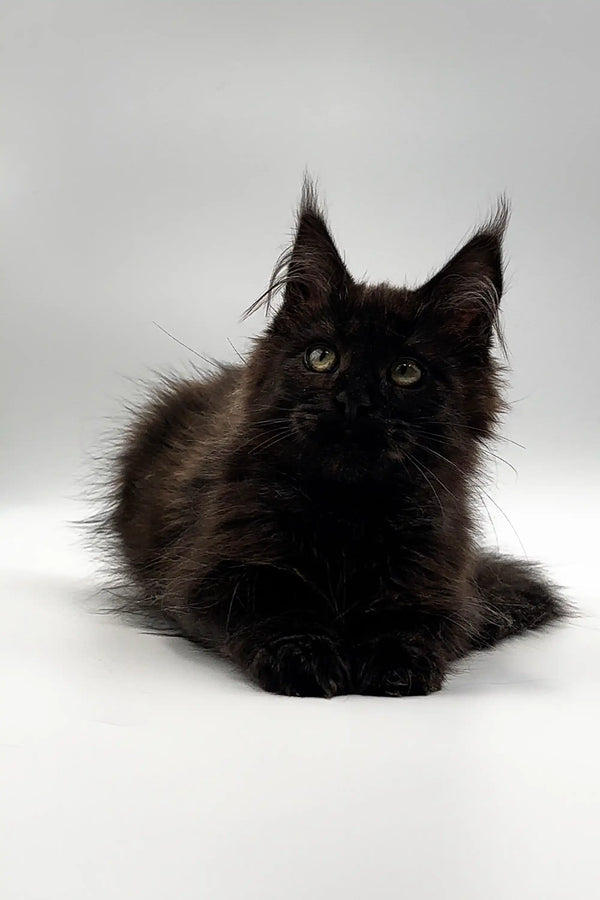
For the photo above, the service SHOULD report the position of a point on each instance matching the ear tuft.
(311, 268)
(309, 199)
(465, 294)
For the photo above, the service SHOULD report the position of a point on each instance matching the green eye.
(321, 358)
(406, 372)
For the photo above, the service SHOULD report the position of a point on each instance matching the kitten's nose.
(352, 404)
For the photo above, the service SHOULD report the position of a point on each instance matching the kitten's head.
(356, 380)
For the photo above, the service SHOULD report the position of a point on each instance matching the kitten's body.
(317, 528)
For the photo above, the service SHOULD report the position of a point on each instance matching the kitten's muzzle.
(352, 404)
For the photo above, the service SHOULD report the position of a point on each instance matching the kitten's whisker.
(481, 449)
(272, 440)
(236, 351)
(437, 496)
(266, 434)
(205, 359)
(485, 435)
(271, 421)
(480, 488)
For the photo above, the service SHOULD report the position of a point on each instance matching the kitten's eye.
(321, 358)
(406, 372)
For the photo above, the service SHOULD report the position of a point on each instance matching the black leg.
(279, 631)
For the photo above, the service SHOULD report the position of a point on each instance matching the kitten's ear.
(311, 270)
(315, 269)
(465, 294)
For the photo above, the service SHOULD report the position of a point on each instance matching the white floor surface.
(134, 766)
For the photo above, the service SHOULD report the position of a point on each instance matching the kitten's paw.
(301, 666)
(386, 669)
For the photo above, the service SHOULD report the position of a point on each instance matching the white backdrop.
(151, 158)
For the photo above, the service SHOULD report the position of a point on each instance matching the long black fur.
(319, 528)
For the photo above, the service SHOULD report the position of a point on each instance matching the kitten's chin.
(347, 461)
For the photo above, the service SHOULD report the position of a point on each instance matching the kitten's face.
(366, 384)
(356, 380)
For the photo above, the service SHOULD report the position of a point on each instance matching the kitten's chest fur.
(353, 543)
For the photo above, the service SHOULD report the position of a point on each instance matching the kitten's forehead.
(361, 315)
(380, 309)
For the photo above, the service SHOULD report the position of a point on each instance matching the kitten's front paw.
(300, 666)
(385, 668)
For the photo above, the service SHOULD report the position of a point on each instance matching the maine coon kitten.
(308, 514)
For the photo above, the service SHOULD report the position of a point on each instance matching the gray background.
(152, 155)
(151, 159)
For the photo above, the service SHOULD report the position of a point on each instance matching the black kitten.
(309, 514)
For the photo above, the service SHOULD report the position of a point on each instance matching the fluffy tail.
(516, 597)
